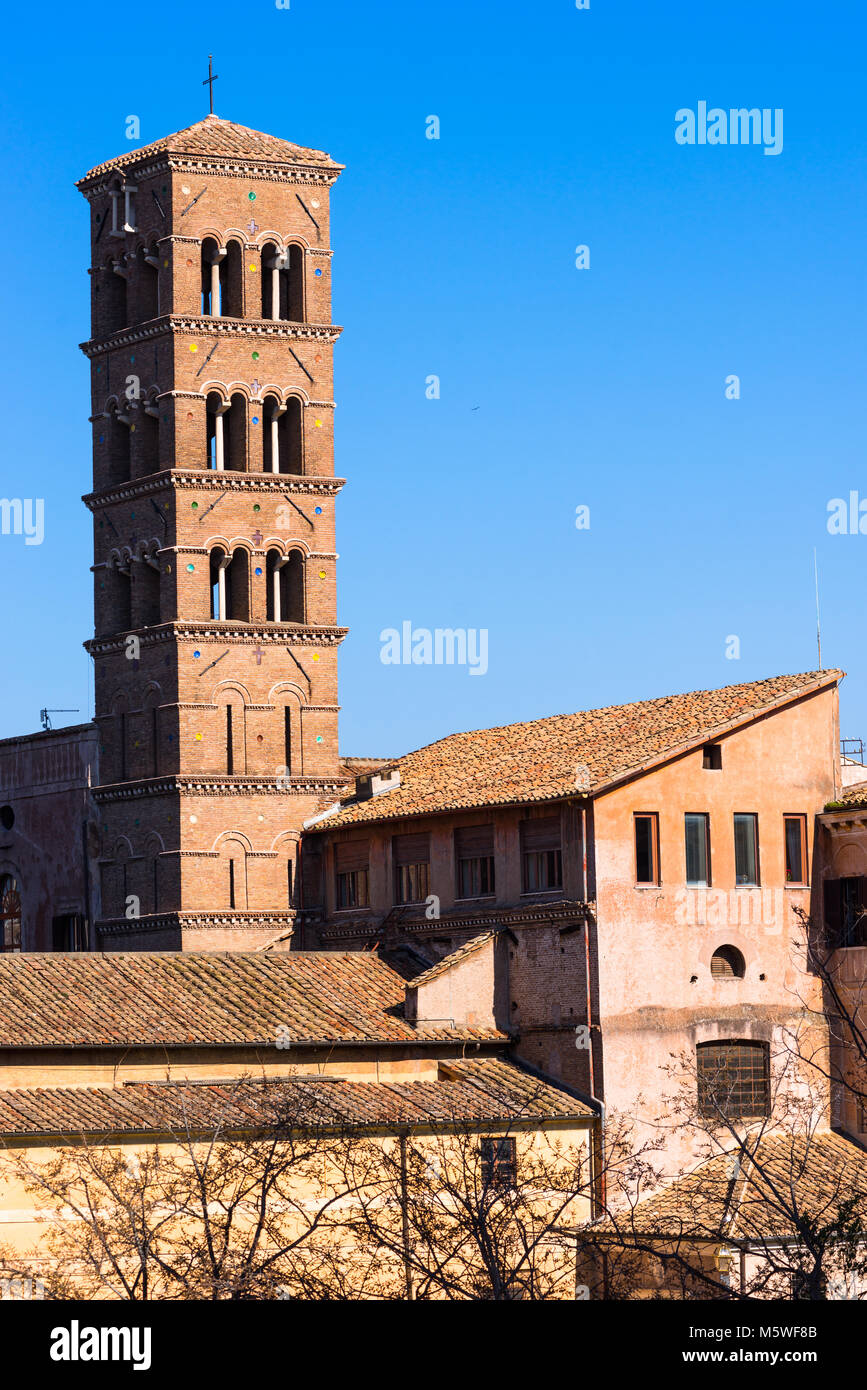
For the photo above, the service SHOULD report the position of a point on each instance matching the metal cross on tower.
(210, 80)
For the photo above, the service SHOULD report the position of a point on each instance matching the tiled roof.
(545, 759)
(484, 1092)
(217, 138)
(240, 998)
(854, 796)
(453, 958)
(740, 1201)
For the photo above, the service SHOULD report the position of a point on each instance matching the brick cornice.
(206, 784)
(483, 920)
(279, 635)
(208, 481)
(184, 921)
(210, 327)
(315, 175)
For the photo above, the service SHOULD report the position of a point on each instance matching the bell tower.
(215, 639)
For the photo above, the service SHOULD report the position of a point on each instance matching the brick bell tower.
(215, 645)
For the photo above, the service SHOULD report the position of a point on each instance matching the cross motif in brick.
(253, 226)
(257, 536)
(254, 386)
(259, 655)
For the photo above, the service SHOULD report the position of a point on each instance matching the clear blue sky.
(559, 387)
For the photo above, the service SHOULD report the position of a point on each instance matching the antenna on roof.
(818, 619)
(210, 80)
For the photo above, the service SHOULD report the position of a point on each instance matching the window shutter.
(411, 849)
(352, 855)
(474, 842)
(542, 834)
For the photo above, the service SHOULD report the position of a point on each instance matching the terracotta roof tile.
(854, 796)
(539, 760)
(240, 998)
(217, 138)
(483, 1092)
(722, 1197)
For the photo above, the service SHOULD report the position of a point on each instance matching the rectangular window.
(796, 848)
(711, 756)
(230, 750)
(697, 836)
(499, 1162)
(232, 883)
(68, 934)
(541, 855)
(733, 1079)
(746, 851)
(411, 858)
(351, 859)
(646, 847)
(474, 857)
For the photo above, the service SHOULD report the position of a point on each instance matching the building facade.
(648, 919)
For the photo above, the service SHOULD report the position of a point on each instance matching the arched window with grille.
(10, 913)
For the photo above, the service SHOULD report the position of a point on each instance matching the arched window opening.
(213, 257)
(215, 411)
(283, 451)
(295, 285)
(114, 291)
(219, 564)
(234, 857)
(147, 280)
(149, 438)
(10, 913)
(231, 279)
(292, 589)
(119, 455)
(121, 595)
(283, 283)
(237, 587)
(727, 963)
(285, 592)
(235, 434)
(148, 581)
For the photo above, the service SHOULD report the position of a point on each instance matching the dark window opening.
(499, 1162)
(68, 933)
(10, 914)
(711, 756)
(353, 889)
(230, 751)
(647, 847)
(747, 851)
(541, 857)
(411, 857)
(697, 837)
(283, 442)
(733, 1079)
(232, 883)
(474, 853)
(796, 848)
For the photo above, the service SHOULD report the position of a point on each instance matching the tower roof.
(217, 140)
